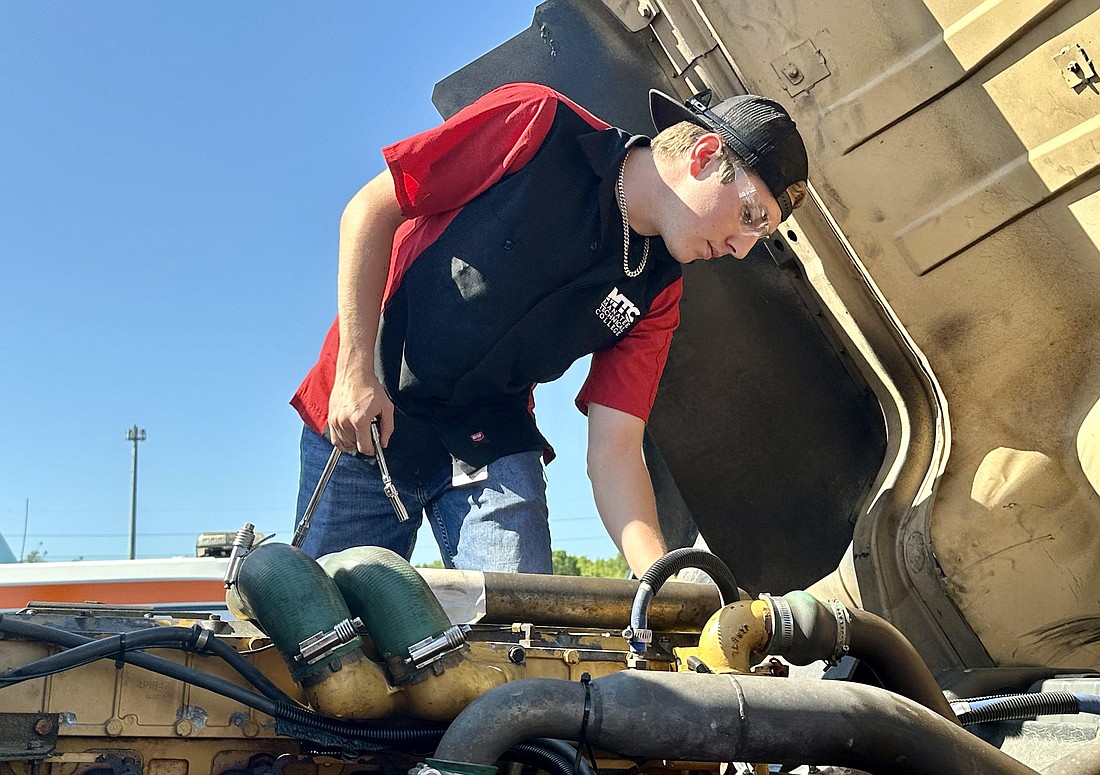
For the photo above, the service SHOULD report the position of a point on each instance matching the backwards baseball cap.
(757, 129)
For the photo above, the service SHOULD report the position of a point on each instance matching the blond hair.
(677, 140)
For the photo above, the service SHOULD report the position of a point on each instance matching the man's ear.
(706, 151)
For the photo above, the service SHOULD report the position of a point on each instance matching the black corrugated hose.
(365, 737)
(1016, 707)
(81, 650)
(662, 570)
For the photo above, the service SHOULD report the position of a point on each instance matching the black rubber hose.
(662, 570)
(368, 734)
(690, 557)
(1017, 707)
(719, 718)
(569, 751)
(532, 753)
(883, 648)
(90, 651)
(82, 650)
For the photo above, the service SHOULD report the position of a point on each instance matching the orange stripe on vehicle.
(116, 592)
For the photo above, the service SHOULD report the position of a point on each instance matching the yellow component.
(442, 696)
(359, 689)
(733, 636)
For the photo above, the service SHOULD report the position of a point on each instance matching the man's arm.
(367, 229)
(621, 485)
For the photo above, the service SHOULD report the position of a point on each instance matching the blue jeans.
(500, 524)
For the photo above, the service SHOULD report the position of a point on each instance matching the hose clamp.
(318, 647)
(843, 629)
(782, 624)
(242, 545)
(638, 638)
(423, 653)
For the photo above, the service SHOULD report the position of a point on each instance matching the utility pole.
(135, 435)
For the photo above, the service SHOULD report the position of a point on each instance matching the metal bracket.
(26, 736)
(801, 67)
(1075, 65)
(635, 15)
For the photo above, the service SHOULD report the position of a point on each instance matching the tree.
(564, 564)
(601, 567)
(35, 555)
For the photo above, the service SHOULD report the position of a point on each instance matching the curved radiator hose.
(425, 654)
(396, 605)
(292, 599)
(1015, 707)
(805, 629)
(700, 717)
(660, 572)
(296, 603)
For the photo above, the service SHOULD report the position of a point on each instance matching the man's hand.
(352, 406)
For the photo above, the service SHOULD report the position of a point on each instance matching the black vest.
(525, 280)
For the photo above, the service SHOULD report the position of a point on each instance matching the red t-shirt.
(438, 171)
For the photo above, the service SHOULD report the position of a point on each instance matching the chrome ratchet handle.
(388, 486)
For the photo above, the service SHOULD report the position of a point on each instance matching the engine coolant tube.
(293, 599)
(399, 610)
(717, 718)
(661, 571)
(396, 605)
(805, 629)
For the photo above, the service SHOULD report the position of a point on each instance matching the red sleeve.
(625, 376)
(445, 167)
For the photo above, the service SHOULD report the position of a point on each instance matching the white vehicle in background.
(179, 583)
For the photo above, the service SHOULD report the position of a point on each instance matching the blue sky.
(171, 179)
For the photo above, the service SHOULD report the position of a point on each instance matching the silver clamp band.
(423, 653)
(782, 624)
(843, 629)
(242, 545)
(318, 647)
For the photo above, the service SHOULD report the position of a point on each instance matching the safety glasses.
(753, 216)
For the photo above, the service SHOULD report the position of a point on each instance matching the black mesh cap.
(757, 129)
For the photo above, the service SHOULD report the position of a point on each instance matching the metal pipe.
(573, 601)
(701, 717)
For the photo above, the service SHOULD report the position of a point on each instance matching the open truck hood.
(909, 368)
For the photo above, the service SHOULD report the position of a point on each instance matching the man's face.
(715, 218)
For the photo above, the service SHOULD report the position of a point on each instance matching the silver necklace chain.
(626, 227)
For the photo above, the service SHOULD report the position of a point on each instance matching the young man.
(520, 235)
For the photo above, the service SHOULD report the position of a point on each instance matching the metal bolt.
(516, 655)
(113, 727)
(794, 75)
(571, 656)
(250, 729)
(184, 728)
(43, 726)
